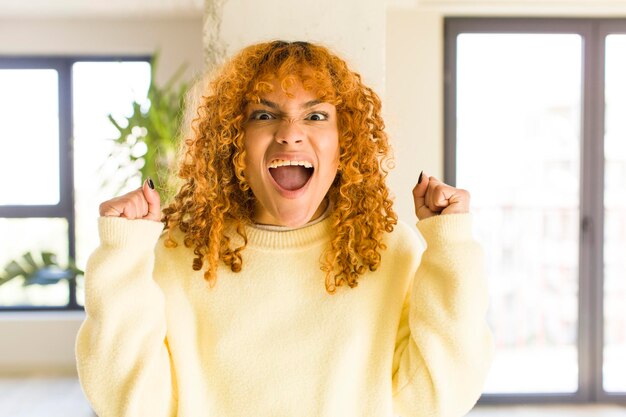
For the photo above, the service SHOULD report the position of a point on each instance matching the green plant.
(45, 270)
(148, 137)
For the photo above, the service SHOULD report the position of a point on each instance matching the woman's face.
(292, 155)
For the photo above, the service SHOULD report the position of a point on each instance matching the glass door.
(518, 141)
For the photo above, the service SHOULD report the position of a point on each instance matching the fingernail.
(420, 178)
(150, 183)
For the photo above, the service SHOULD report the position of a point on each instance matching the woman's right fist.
(143, 203)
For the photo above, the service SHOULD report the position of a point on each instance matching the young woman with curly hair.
(283, 284)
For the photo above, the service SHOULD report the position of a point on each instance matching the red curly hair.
(214, 193)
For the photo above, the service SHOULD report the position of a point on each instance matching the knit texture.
(411, 339)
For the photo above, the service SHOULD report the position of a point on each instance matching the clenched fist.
(433, 197)
(143, 203)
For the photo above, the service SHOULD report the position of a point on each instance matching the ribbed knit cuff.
(119, 232)
(446, 228)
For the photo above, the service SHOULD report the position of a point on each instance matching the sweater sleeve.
(444, 346)
(121, 349)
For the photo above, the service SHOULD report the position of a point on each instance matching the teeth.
(282, 162)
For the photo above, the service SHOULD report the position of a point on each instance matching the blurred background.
(523, 103)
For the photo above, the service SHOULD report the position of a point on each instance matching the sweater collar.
(325, 214)
(309, 235)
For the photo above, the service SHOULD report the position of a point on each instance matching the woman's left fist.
(433, 197)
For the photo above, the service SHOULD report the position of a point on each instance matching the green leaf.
(12, 270)
(169, 85)
(114, 122)
(28, 258)
(49, 258)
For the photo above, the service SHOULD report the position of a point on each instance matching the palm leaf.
(44, 270)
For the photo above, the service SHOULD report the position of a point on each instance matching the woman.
(284, 284)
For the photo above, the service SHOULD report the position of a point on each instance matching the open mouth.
(291, 175)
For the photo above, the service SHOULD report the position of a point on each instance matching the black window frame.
(65, 209)
(593, 32)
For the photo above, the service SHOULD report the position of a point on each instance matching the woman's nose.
(289, 132)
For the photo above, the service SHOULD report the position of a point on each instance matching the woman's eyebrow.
(269, 104)
(311, 103)
(275, 106)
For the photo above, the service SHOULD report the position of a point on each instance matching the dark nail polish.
(150, 183)
(420, 178)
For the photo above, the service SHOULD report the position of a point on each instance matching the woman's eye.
(317, 116)
(262, 115)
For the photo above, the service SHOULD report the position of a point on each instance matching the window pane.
(614, 370)
(19, 236)
(100, 89)
(29, 136)
(518, 152)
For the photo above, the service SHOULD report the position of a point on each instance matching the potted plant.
(148, 138)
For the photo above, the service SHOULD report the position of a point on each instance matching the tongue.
(291, 177)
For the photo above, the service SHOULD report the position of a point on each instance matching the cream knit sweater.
(410, 339)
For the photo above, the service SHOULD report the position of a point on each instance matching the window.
(535, 130)
(614, 351)
(54, 143)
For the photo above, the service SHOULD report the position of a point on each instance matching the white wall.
(354, 29)
(414, 101)
(178, 39)
(44, 342)
(38, 343)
